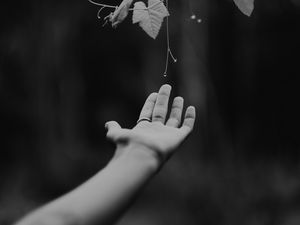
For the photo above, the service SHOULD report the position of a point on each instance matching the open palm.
(154, 130)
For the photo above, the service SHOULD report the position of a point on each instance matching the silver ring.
(143, 119)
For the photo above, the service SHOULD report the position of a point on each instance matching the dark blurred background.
(63, 75)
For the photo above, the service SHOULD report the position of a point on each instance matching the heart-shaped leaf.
(246, 6)
(150, 18)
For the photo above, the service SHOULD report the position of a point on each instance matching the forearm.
(113, 189)
(103, 198)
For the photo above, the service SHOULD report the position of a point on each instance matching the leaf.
(120, 13)
(150, 18)
(246, 6)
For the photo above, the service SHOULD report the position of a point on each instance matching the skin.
(140, 153)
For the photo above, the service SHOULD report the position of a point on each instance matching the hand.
(155, 131)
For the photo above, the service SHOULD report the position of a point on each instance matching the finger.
(114, 130)
(176, 112)
(110, 125)
(189, 119)
(161, 104)
(148, 106)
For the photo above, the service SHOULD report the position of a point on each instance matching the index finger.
(147, 109)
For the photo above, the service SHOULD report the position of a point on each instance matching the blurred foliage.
(62, 76)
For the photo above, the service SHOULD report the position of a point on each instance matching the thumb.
(115, 132)
(110, 125)
(112, 130)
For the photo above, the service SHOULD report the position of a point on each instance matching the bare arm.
(140, 152)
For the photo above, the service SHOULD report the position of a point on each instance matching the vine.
(151, 17)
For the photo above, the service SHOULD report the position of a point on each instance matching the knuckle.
(164, 93)
(160, 111)
(176, 107)
(189, 116)
(158, 117)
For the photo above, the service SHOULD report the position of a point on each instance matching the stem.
(169, 52)
(114, 7)
(103, 5)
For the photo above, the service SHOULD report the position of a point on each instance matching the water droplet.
(193, 17)
(199, 20)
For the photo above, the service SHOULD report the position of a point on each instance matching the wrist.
(140, 154)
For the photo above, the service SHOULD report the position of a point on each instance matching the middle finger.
(161, 105)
